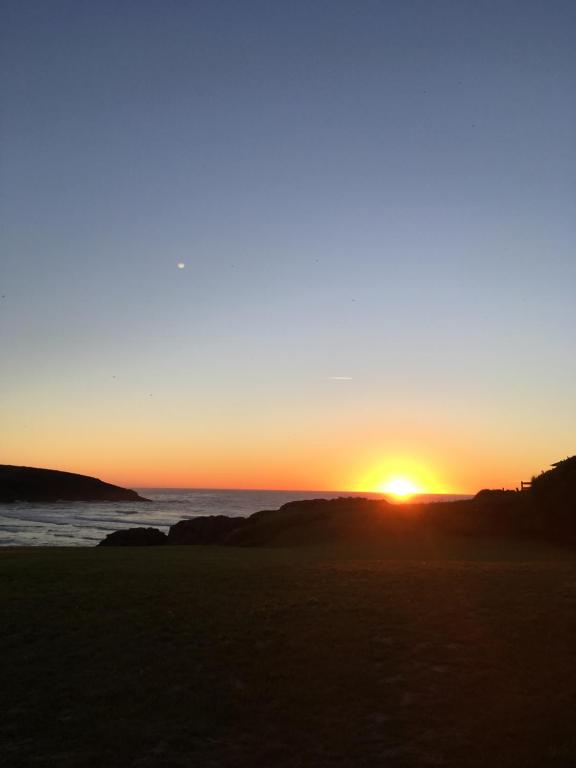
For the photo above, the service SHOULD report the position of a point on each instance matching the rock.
(211, 529)
(314, 521)
(51, 485)
(135, 537)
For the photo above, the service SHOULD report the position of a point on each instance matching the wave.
(86, 523)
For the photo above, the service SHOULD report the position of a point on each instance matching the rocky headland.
(51, 485)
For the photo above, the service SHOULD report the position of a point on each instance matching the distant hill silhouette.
(50, 485)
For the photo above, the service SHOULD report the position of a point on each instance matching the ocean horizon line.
(288, 490)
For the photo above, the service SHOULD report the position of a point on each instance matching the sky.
(309, 244)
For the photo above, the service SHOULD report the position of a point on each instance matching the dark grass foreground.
(453, 655)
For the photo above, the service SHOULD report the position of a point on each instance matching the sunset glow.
(400, 487)
(403, 475)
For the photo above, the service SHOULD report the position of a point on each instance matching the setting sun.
(400, 487)
(402, 476)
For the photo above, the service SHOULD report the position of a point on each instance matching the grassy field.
(428, 654)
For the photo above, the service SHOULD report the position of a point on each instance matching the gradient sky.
(378, 190)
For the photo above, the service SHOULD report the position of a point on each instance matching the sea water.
(84, 524)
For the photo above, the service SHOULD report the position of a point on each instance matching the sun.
(400, 478)
(400, 487)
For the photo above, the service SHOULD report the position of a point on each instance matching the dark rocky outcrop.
(489, 513)
(553, 496)
(318, 520)
(557, 485)
(51, 485)
(545, 511)
(135, 537)
(211, 529)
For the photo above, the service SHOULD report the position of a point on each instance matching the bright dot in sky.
(400, 487)
(181, 265)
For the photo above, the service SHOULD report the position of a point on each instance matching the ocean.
(84, 524)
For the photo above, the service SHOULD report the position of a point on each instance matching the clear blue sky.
(378, 190)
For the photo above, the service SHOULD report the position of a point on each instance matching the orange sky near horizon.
(331, 458)
(272, 432)
(249, 474)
